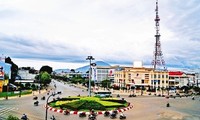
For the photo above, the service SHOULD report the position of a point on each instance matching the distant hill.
(61, 70)
(84, 69)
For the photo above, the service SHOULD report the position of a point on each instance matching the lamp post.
(90, 58)
(53, 94)
(39, 83)
(20, 89)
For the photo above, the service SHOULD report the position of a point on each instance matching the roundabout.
(84, 105)
(87, 113)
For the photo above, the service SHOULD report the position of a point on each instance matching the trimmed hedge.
(88, 103)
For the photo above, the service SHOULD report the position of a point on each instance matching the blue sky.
(62, 33)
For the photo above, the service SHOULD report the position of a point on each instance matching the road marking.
(4, 111)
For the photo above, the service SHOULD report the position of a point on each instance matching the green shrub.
(10, 117)
(88, 103)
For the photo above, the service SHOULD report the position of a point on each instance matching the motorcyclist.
(24, 117)
(113, 114)
(107, 113)
(122, 116)
(66, 112)
(92, 115)
(53, 118)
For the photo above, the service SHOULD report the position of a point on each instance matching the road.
(143, 106)
(20, 105)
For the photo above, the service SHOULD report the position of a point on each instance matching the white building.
(24, 74)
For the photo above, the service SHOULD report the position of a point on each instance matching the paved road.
(18, 106)
(21, 105)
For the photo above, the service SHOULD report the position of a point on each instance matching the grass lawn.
(11, 94)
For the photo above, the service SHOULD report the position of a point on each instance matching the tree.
(45, 78)
(72, 71)
(46, 68)
(105, 83)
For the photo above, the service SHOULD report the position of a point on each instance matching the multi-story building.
(197, 79)
(141, 77)
(180, 79)
(105, 73)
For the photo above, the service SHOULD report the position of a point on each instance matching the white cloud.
(110, 30)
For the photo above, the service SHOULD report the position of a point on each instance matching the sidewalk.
(32, 94)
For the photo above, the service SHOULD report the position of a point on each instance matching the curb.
(87, 113)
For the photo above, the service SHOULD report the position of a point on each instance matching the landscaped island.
(88, 103)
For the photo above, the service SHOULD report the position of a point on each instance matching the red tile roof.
(175, 73)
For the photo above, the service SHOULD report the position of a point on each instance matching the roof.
(175, 73)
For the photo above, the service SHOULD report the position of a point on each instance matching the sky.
(62, 33)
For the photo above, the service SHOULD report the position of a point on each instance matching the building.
(197, 79)
(105, 73)
(180, 79)
(140, 77)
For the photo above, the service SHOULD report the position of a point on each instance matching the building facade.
(141, 77)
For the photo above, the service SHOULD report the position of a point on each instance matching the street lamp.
(90, 58)
(20, 89)
(39, 83)
(53, 94)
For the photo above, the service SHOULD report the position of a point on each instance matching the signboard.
(111, 72)
(94, 73)
(2, 64)
(1, 85)
(7, 73)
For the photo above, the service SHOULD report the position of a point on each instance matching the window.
(154, 75)
(159, 76)
(142, 81)
(166, 76)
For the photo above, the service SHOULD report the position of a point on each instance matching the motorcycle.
(106, 114)
(92, 117)
(36, 103)
(66, 112)
(122, 116)
(52, 117)
(35, 98)
(83, 114)
(43, 98)
(24, 117)
(113, 115)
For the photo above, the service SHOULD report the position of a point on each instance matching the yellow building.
(140, 77)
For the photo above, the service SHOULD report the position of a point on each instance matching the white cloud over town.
(64, 32)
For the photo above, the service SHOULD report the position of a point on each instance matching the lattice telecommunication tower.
(158, 56)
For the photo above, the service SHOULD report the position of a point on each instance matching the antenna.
(158, 56)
